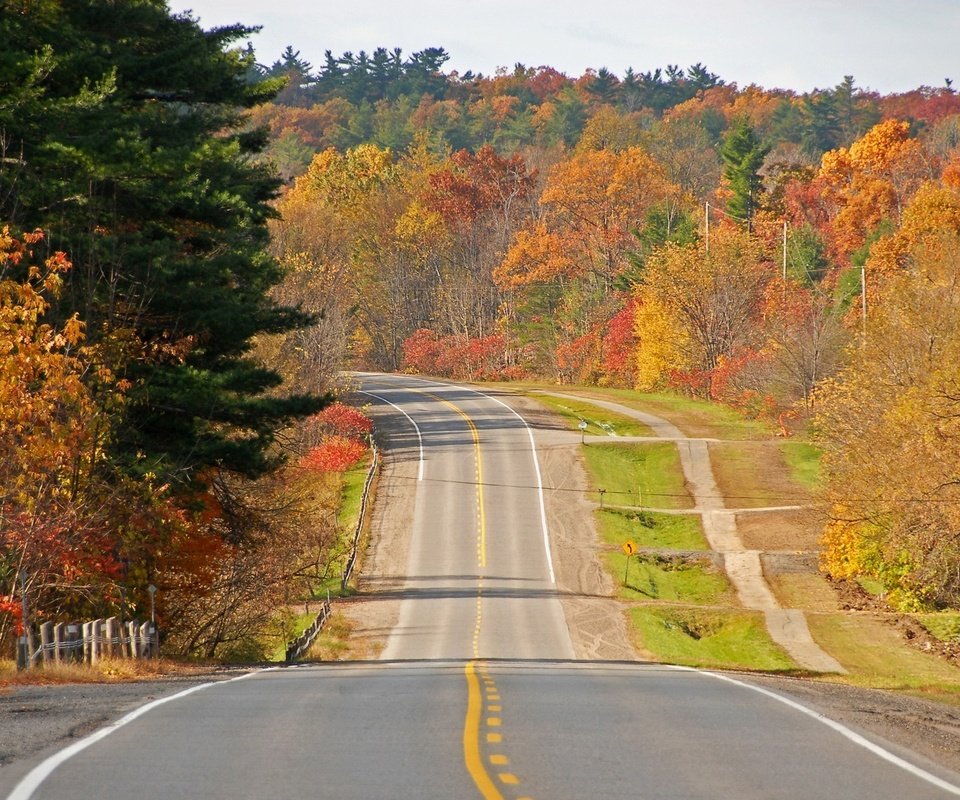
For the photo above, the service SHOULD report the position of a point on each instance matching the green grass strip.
(944, 625)
(709, 638)
(351, 492)
(674, 582)
(803, 459)
(646, 474)
(599, 421)
(721, 421)
(651, 529)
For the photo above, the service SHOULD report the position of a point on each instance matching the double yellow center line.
(481, 514)
(483, 702)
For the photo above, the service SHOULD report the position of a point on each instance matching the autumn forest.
(194, 250)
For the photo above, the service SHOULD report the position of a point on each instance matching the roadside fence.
(87, 642)
(361, 517)
(302, 643)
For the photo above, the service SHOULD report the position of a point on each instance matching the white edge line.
(412, 422)
(31, 781)
(536, 467)
(840, 728)
(843, 730)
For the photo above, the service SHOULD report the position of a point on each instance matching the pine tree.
(743, 154)
(122, 128)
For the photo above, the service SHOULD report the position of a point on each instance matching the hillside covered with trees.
(659, 230)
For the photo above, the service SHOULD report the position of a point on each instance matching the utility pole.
(706, 217)
(25, 648)
(784, 252)
(863, 300)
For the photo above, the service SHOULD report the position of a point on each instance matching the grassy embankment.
(681, 606)
(293, 623)
(689, 615)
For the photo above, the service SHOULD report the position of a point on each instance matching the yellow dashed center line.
(471, 737)
(479, 719)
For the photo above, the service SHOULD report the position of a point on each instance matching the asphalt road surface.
(476, 694)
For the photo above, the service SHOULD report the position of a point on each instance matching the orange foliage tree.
(54, 507)
(871, 181)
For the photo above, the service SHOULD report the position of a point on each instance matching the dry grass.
(807, 591)
(106, 671)
(796, 531)
(874, 653)
(333, 643)
(754, 475)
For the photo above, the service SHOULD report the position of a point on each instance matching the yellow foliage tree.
(663, 346)
(890, 428)
(706, 303)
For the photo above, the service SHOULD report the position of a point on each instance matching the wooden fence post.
(131, 636)
(59, 632)
(46, 642)
(86, 653)
(111, 638)
(96, 641)
(74, 642)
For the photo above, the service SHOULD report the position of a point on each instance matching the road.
(477, 693)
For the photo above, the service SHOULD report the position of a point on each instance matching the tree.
(896, 405)
(698, 308)
(56, 525)
(296, 73)
(743, 155)
(127, 125)
(871, 182)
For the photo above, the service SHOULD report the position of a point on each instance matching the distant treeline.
(387, 98)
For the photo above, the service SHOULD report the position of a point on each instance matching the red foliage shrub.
(343, 420)
(420, 351)
(460, 357)
(335, 454)
(618, 346)
(579, 361)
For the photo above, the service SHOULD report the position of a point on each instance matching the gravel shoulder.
(34, 719)
(917, 725)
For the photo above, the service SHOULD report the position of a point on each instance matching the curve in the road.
(410, 419)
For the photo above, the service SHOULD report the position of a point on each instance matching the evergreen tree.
(604, 86)
(298, 75)
(125, 127)
(743, 155)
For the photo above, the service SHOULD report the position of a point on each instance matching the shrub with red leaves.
(335, 454)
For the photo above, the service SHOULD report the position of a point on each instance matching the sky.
(887, 45)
